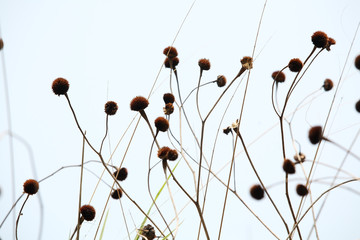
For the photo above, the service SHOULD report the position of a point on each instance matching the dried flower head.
(170, 52)
(301, 190)
(174, 61)
(163, 153)
(357, 62)
(111, 107)
(315, 134)
(169, 98)
(319, 39)
(328, 84)
(357, 106)
(31, 186)
(172, 155)
(295, 65)
(117, 194)
(60, 86)
(148, 231)
(88, 212)
(1, 44)
(247, 62)
(289, 166)
(301, 157)
(204, 64)
(121, 174)
(139, 103)
(161, 124)
(278, 76)
(331, 42)
(227, 130)
(168, 109)
(221, 80)
(257, 192)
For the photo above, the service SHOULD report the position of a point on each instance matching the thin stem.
(80, 191)
(18, 218)
(106, 131)
(289, 202)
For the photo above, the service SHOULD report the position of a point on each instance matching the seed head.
(328, 84)
(357, 62)
(139, 103)
(204, 64)
(31, 186)
(169, 98)
(301, 190)
(278, 76)
(168, 109)
(1, 44)
(257, 192)
(302, 157)
(331, 42)
(116, 194)
(121, 174)
(227, 130)
(172, 155)
(221, 80)
(163, 153)
(161, 124)
(295, 65)
(175, 62)
(320, 39)
(148, 231)
(88, 212)
(111, 107)
(247, 62)
(289, 166)
(60, 86)
(170, 52)
(357, 106)
(315, 134)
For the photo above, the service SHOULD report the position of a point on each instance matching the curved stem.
(18, 218)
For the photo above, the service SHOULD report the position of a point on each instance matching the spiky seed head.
(328, 84)
(1, 44)
(111, 107)
(278, 76)
(117, 194)
(172, 155)
(168, 109)
(301, 190)
(139, 103)
(60, 86)
(301, 159)
(315, 134)
(247, 62)
(221, 80)
(121, 174)
(163, 153)
(170, 52)
(169, 98)
(204, 64)
(320, 39)
(357, 62)
(357, 106)
(295, 65)
(161, 124)
(88, 212)
(257, 192)
(175, 62)
(289, 166)
(31, 186)
(148, 231)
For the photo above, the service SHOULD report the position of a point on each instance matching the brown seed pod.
(315, 134)
(302, 157)
(357, 106)
(289, 166)
(168, 98)
(60, 86)
(1, 44)
(320, 39)
(257, 192)
(31, 186)
(161, 124)
(328, 84)
(121, 174)
(172, 155)
(116, 194)
(170, 52)
(149, 232)
(227, 130)
(301, 190)
(331, 42)
(175, 62)
(163, 153)
(221, 80)
(168, 109)
(204, 64)
(357, 62)
(247, 62)
(88, 212)
(295, 65)
(139, 103)
(278, 76)
(111, 107)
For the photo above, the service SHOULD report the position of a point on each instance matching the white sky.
(112, 50)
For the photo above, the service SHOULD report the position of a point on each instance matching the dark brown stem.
(18, 218)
